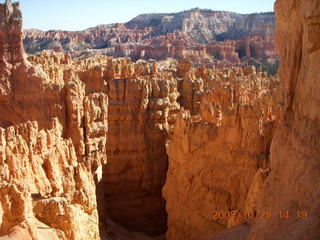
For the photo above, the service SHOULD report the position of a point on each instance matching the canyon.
(206, 37)
(108, 144)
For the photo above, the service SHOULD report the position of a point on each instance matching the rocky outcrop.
(204, 36)
(144, 102)
(48, 165)
(24, 88)
(293, 184)
(62, 117)
(43, 186)
(203, 25)
(13, 52)
(291, 190)
(219, 154)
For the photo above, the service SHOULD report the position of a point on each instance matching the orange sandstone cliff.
(291, 192)
(205, 36)
(52, 144)
(293, 184)
(219, 154)
(160, 147)
(142, 104)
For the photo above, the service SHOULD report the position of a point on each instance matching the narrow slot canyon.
(130, 191)
(197, 122)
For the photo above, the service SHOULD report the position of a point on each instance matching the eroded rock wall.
(53, 144)
(43, 186)
(293, 184)
(219, 154)
(23, 86)
(205, 36)
(55, 114)
(142, 104)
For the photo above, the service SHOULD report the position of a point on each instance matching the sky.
(81, 14)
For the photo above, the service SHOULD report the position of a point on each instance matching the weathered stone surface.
(142, 105)
(219, 154)
(24, 89)
(205, 36)
(140, 109)
(144, 102)
(41, 178)
(293, 184)
(235, 233)
(61, 118)
(47, 165)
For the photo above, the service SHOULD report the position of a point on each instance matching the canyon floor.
(116, 231)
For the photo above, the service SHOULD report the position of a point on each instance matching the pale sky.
(81, 14)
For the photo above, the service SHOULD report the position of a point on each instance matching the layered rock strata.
(204, 36)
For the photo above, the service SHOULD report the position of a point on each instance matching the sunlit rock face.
(52, 144)
(142, 104)
(205, 36)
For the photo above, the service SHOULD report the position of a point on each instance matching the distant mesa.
(216, 38)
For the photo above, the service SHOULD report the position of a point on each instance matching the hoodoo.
(170, 126)
(52, 144)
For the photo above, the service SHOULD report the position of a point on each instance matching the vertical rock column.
(139, 110)
(293, 185)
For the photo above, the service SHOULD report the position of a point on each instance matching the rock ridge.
(211, 37)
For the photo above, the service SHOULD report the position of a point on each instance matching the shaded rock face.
(204, 36)
(141, 107)
(219, 154)
(293, 184)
